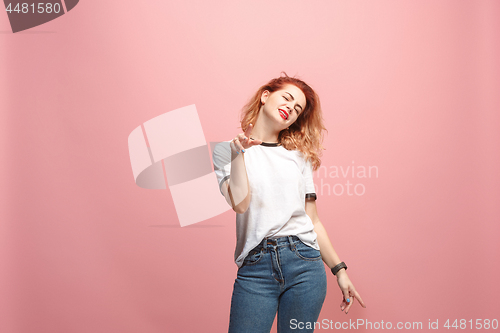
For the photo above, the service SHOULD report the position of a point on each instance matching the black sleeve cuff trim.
(311, 195)
(222, 182)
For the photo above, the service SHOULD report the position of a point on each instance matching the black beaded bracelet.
(338, 268)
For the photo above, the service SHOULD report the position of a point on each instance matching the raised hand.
(242, 141)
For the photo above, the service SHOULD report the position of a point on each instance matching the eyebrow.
(293, 99)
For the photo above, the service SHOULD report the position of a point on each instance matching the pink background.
(408, 86)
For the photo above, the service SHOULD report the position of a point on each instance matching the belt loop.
(292, 244)
(264, 244)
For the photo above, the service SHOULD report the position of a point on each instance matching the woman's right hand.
(242, 141)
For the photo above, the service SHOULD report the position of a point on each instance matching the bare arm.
(236, 189)
(331, 258)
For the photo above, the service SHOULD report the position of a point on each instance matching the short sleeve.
(221, 157)
(308, 177)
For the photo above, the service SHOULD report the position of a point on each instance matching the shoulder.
(297, 154)
(221, 146)
(221, 150)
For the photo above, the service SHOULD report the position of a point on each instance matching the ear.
(264, 96)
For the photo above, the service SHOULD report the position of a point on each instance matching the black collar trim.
(267, 144)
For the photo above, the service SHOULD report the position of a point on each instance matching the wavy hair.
(306, 133)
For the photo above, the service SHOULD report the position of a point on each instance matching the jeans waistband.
(280, 241)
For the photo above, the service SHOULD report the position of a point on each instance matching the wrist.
(234, 150)
(341, 266)
(340, 272)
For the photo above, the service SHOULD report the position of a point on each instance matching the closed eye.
(295, 109)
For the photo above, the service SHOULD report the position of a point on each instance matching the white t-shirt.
(280, 180)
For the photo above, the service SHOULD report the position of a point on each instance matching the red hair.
(306, 133)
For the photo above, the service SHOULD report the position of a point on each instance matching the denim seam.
(305, 258)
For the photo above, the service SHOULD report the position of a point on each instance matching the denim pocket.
(305, 252)
(253, 257)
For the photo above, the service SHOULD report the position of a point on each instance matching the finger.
(241, 136)
(343, 305)
(350, 303)
(255, 142)
(243, 139)
(249, 130)
(347, 298)
(238, 146)
(356, 295)
(346, 301)
(233, 146)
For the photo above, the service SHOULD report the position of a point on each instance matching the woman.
(265, 174)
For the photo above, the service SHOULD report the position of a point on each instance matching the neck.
(264, 132)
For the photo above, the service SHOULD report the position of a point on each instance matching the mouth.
(283, 114)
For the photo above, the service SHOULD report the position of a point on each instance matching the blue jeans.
(280, 275)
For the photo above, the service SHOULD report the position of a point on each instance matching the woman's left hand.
(348, 291)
